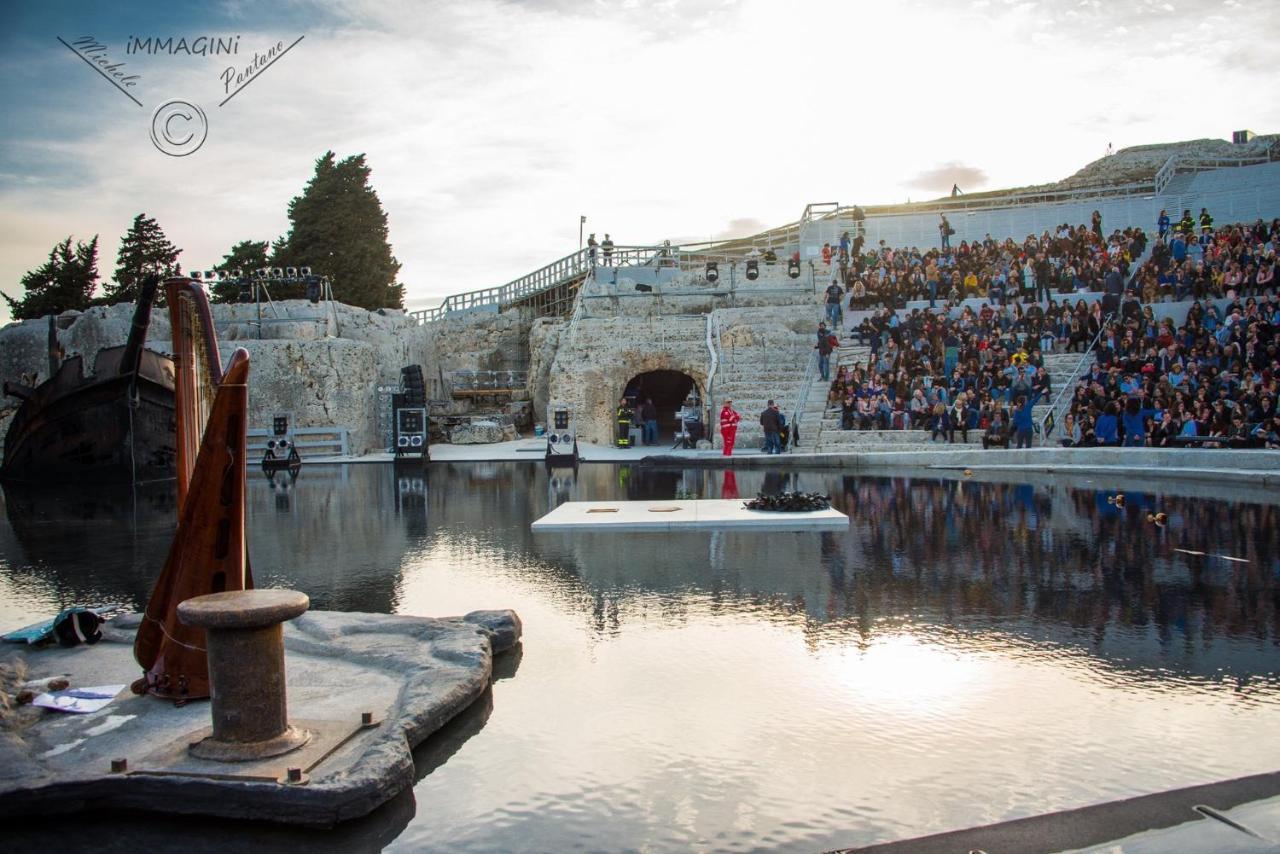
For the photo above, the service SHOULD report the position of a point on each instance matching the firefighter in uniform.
(624, 418)
(1206, 222)
(1187, 225)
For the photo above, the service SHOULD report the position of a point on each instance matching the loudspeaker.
(753, 270)
(415, 389)
(411, 432)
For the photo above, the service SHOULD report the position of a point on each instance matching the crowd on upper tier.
(1067, 260)
(1211, 379)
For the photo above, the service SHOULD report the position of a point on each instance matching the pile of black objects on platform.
(790, 502)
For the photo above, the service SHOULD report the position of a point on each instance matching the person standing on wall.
(1162, 224)
(729, 426)
(945, 229)
(1096, 220)
(607, 249)
(592, 245)
(649, 421)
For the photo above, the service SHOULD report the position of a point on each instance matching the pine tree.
(66, 281)
(144, 249)
(339, 230)
(246, 256)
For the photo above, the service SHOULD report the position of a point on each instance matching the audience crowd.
(1210, 379)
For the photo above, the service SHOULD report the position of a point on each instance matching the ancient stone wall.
(322, 381)
(593, 365)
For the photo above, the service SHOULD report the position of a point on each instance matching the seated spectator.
(997, 433)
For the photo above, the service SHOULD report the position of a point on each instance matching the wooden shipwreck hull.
(114, 426)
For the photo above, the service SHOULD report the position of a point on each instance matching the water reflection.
(732, 689)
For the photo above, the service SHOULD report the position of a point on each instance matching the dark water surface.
(965, 652)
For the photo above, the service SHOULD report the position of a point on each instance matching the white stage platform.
(685, 515)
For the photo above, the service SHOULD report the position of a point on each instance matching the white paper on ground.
(78, 700)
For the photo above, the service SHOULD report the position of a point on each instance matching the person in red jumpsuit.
(729, 426)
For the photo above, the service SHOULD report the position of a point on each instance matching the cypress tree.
(339, 229)
(144, 249)
(66, 281)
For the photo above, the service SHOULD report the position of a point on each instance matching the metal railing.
(556, 273)
(802, 400)
(1056, 410)
(565, 270)
(713, 351)
(482, 381)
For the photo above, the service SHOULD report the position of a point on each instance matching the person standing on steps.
(729, 426)
(834, 295)
(824, 347)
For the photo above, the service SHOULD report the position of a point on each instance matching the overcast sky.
(490, 126)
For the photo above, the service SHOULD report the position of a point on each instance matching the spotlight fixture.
(713, 271)
(305, 271)
(210, 275)
(793, 268)
(277, 273)
(196, 274)
(291, 272)
(237, 273)
(753, 270)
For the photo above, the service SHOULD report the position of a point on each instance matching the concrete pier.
(371, 686)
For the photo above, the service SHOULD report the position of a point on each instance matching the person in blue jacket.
(1022, 423)
(1105, 430)
(1134, 421)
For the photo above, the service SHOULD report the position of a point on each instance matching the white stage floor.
(682, 515)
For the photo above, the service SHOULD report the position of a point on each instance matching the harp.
(209, 553)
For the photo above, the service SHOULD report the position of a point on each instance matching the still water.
(965, 652)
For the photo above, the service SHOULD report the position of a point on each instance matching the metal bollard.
(244, 637)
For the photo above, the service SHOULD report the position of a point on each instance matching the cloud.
(941, 178)
(742, 227)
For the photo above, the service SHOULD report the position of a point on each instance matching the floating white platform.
(682, 515)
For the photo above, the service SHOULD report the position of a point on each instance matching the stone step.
(844, 438)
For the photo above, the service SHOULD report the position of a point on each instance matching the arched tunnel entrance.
(668, 390)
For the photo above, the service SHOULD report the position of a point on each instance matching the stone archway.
(668, 390)
(593, 375)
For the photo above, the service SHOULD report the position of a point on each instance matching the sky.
(491, 126)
